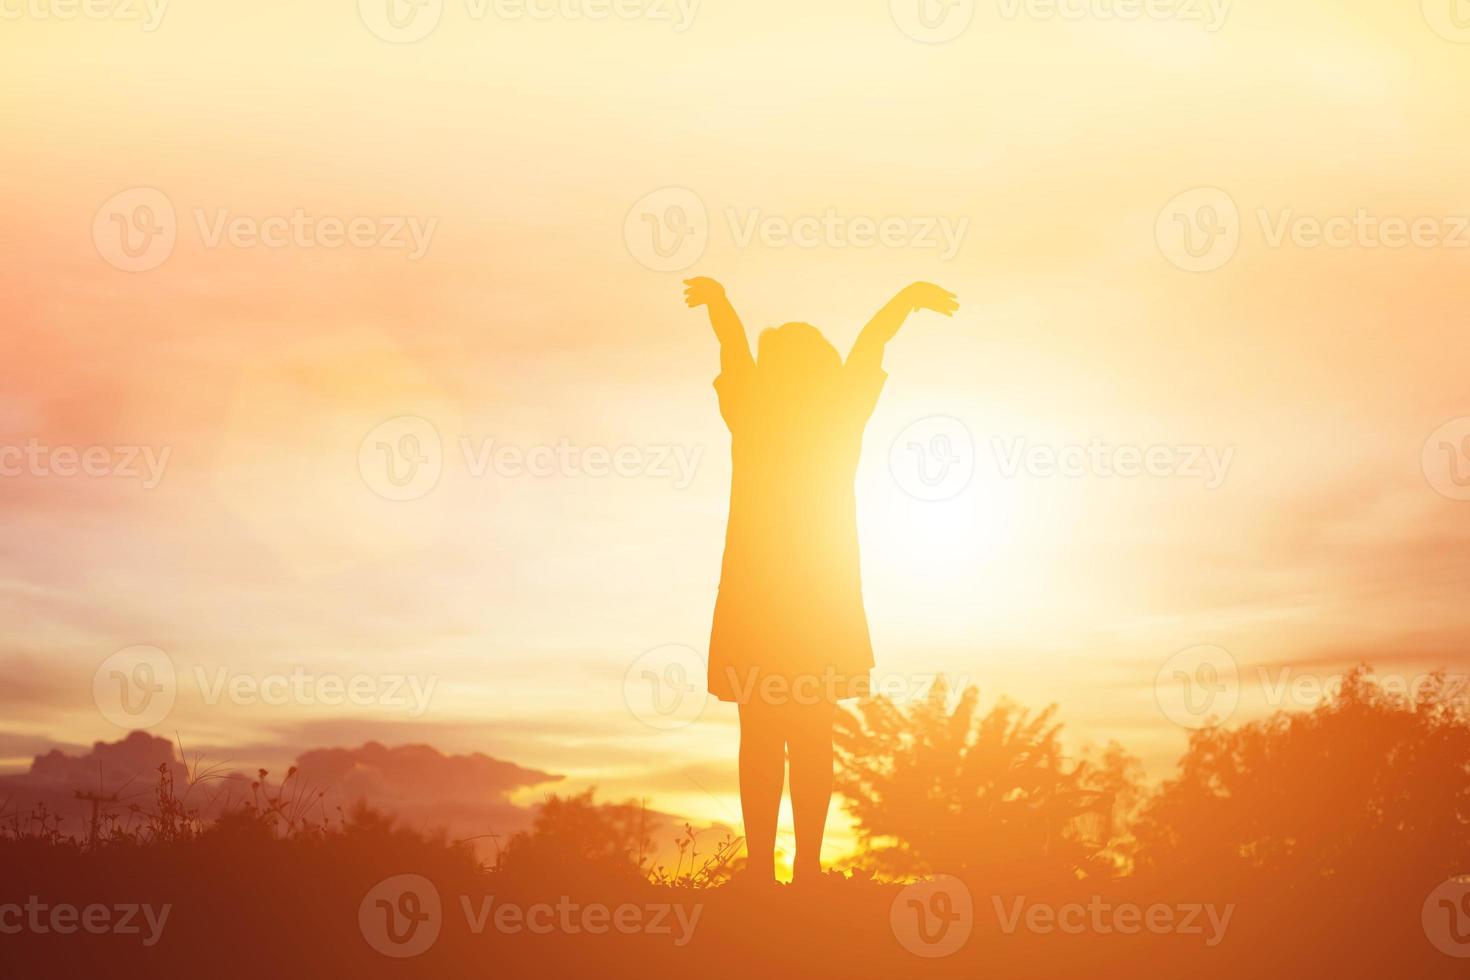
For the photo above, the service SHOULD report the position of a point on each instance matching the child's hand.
(927, 296)
(702, 291)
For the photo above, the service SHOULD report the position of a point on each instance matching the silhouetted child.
(790, 636)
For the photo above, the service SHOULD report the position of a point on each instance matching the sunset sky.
(518, 148)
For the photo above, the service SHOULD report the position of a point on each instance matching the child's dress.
(790, 610)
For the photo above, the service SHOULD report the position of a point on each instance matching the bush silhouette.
(940, 789)
(1312, 828)
(1368, 784)
(574, 838)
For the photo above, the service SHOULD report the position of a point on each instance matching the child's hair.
(797, 351)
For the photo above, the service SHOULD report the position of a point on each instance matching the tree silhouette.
(938, 789)
(574, 838)
(1368, 784)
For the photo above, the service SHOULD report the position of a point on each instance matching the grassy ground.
(296, 908)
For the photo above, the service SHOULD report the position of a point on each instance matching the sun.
(943, 540)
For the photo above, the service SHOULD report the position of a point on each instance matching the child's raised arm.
(734, 346)
(867, 351)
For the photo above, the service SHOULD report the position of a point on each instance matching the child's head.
(796, 352)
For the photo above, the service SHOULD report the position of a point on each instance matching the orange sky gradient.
(530, 321)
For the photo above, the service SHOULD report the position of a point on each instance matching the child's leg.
(762, 771)
(810, 735)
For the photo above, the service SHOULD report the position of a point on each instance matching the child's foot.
(806, 874)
